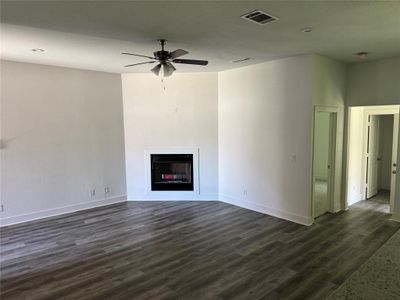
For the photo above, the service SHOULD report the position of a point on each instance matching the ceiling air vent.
(241, 60)
(259, 17)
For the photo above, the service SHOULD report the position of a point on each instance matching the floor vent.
(259, 17)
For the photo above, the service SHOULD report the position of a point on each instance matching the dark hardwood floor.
(187, 250)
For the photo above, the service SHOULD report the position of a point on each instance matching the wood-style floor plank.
(187, 250)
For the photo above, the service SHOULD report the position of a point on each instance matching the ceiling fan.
(165, 59)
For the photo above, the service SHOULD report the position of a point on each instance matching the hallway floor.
(382, 198)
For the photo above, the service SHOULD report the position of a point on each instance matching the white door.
(324, 145)
(372, 156)
(394, 160)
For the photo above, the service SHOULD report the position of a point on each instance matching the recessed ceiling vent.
(259, 17)
(241, 60)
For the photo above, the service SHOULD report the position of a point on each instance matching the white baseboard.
(227, 199)
(395, 217)
(205, 197)
(268, 210)
(359, 198)
(60, 210)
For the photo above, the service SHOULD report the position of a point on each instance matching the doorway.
(324, 149)
(372, 154)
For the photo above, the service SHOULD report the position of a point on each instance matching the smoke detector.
(362, 54)
(306, 29)
(259, 17)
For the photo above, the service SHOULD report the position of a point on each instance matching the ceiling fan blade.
(156, 69)
(178, 53)
(142, 63)
(191, 62)
(138, 55)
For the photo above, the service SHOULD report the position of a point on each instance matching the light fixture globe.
(167, 69)
(163, 69)
(156, 69)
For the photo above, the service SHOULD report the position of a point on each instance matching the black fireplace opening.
(171, 172)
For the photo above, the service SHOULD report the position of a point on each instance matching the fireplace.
(171, 172)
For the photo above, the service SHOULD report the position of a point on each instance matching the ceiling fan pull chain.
(163, 82)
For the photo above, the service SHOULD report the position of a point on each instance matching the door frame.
(373, 110)
(395, 157)
(380, 111)
(333, 138)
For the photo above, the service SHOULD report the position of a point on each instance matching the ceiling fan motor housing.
(162, 55)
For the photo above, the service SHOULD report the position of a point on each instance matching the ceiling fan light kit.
(165, 68)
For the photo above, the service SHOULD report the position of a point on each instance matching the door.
(323, 161)
(394, 160)
(372, 156)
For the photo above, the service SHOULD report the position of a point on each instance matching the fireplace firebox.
(171, 172)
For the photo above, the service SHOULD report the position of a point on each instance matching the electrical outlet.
(245, 192)
(1, 207)
(106, 190)
(92, 193)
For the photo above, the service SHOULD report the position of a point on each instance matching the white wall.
(264, 118)
(385, 151)
(62, 134)
(356, 189)
(184, 115)
(374, 83)
(329, 88)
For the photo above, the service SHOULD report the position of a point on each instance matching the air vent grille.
(241, 60)
(259, 17)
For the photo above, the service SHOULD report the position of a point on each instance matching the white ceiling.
(92, 34)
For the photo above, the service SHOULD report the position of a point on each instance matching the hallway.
(383, 199)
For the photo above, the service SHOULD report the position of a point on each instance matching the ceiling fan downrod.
(162, 43)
